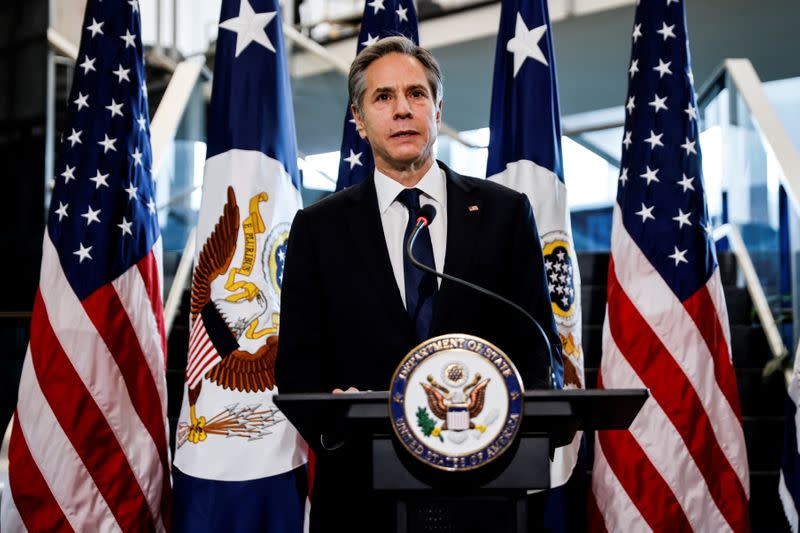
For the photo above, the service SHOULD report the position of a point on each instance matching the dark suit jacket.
(343, 322)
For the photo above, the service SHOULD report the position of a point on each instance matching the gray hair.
(356, 79)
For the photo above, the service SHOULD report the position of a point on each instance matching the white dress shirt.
(394, 217)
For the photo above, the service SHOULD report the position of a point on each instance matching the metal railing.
(754, 288)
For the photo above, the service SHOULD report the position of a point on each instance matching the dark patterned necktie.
(421, 287)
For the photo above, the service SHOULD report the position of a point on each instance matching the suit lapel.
(464, 211)
(366, 231)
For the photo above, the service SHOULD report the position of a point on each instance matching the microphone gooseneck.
(425, 216)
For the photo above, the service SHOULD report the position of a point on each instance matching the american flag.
(382, 18)
(525, 154)
(88, 449)
(682, 465)
(239, 464)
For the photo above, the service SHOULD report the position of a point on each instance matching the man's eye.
(418, 94)
(383, 97)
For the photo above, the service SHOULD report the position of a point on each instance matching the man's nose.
(402, 108)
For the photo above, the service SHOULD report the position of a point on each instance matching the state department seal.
(456, 402)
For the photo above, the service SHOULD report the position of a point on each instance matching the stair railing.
(754, 288)
(740, 77)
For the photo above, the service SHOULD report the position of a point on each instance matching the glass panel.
(743, 185)
(179, 178)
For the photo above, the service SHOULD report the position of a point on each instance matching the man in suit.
(353, 306)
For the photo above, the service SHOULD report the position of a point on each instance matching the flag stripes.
(31, 491)
(617, 511)
(150, 272)
(708, 324)
(202, 353)
(654, 432)
(115, 435)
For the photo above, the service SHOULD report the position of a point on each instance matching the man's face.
(400, 117)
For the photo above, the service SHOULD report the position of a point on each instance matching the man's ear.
(439, 114)
(359, 123)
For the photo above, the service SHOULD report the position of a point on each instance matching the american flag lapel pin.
(473, 208)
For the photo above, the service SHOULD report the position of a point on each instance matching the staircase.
(762, 403)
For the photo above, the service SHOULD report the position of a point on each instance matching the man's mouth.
(404, 134)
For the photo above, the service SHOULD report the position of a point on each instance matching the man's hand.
(340, 391)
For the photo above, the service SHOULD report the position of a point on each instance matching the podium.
(550, 420)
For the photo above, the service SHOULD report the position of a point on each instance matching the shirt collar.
(432, 185)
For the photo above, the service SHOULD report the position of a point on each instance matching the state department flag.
(682, 464)
(89, 449)
(789, 484)
(382, 18)
(239, 464)
(525, 154)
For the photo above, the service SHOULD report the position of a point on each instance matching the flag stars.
(88, 64)
(129, 38)
(654, 140)
(666, 31)
(672, 2)
(376, 5)
(354, 159)
(658, 103)
(250, 27)
(91, 215)
(151, 206)
(679, 256)
(634, 67)
(637, 32)
(134, 5)
(68, 174)
(137, 156)
(125, 227)
(100, 180)
(131, 190)
(686, 183)
(75, 138)
(107, 144)
(682, 219)
(525, 44)
(95, 27)
(689, 147)
(650, 175)
(691, 111)
(663, 68)
(626, 142)
(83, 252)
(121, 74)
(115, 108)
(630, 106)
(646, 213)
(82, 101)
(62, 211)
(402, 13)
(370, 40)
(144, 89)
(623, 176)
(142, 122)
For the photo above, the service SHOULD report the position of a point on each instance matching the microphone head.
(427, 213)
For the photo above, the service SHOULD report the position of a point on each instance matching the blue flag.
(525, 154)
(382, 18)
(239, 464)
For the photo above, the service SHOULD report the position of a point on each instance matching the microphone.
(425, 216)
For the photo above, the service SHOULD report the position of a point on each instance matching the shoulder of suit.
(492, 189)
(332, 204)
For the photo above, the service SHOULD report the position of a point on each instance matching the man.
(353, 306)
